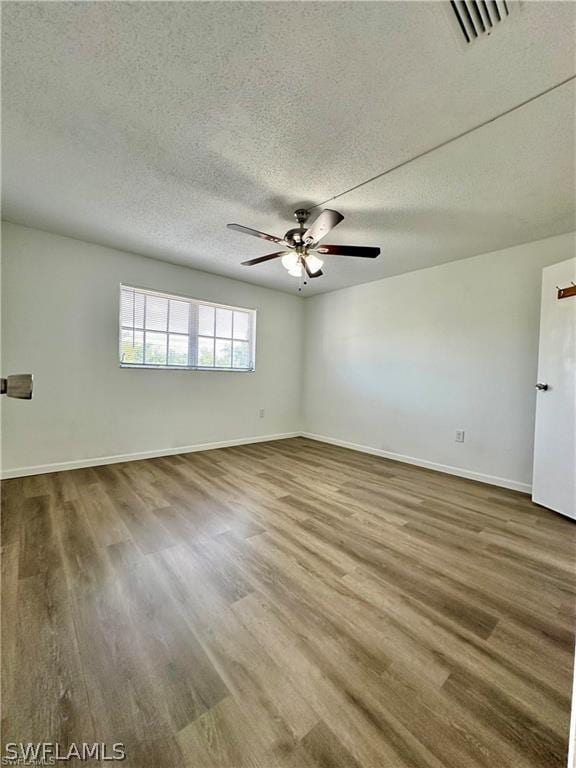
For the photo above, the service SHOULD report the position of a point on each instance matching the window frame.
(193, 337)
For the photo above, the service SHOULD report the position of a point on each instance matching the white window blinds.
(158, 330)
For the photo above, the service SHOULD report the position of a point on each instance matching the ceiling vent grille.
(477, 18)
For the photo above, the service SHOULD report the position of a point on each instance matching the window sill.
(136, 366)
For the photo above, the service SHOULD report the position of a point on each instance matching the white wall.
(60, 322)
(399, 364)
(395, 366)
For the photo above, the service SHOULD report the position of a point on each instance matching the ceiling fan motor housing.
(294, 237)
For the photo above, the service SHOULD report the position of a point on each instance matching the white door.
(554, 480)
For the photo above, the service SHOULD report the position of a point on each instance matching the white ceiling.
(148, 126)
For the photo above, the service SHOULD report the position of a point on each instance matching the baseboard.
(98, 461)
(503, 482)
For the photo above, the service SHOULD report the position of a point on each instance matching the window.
(162, 331)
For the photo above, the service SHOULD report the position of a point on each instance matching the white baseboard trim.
(503, 482)
(98, 461)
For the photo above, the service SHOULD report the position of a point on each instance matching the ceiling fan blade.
(255, 233)
(312, 274)
(364, 252)
(322, 225)
(260, 259)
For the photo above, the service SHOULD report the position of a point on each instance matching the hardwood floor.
(287, 604)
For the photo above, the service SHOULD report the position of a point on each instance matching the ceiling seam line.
(446, 142)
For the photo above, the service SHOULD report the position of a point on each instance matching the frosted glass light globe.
(290, 260)
(296, 271)
(314, 263)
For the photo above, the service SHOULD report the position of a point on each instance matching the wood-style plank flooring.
(290, 605)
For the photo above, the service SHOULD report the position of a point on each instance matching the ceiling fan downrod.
(301, 215)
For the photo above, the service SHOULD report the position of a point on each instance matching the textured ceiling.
(148, 126)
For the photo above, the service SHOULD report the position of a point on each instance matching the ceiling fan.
(304, 243)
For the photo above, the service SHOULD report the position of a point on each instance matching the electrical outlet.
(460, 435)
(261, 413)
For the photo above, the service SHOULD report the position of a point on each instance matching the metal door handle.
(542, 387)
(18, 385)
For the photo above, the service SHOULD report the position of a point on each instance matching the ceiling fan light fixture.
(300, 262)
(290, 260)
(296, 270)
(314, 263)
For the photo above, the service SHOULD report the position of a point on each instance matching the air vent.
(477, 18)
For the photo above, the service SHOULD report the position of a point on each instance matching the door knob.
(18, 385)
(542, 387)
